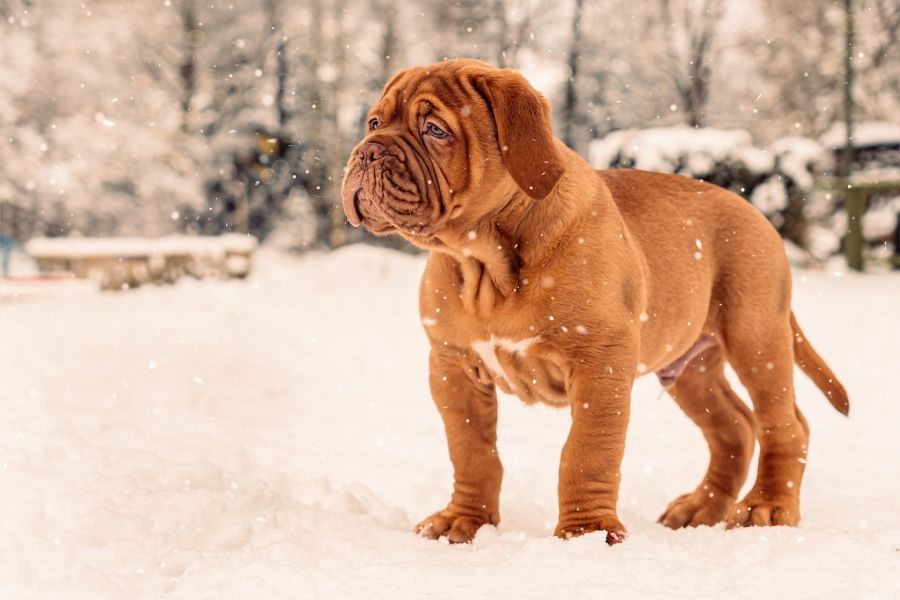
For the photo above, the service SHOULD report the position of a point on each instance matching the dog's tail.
(815, 368)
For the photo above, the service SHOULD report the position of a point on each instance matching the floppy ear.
(524, 130)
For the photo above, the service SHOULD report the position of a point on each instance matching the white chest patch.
(487, 352)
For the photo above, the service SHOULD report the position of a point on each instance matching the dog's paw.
(615, 531)
(456, 528)
(754, 512)
(703, 506)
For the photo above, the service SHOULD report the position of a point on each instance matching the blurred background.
(159, 117)
(269, 436)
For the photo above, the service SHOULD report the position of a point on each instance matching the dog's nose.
(370, 152)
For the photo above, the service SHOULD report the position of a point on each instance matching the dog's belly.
(668, 375)
(517, 368)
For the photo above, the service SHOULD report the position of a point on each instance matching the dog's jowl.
(561, 284)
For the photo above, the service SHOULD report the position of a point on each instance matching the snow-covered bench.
(120, 263)
(857, 190)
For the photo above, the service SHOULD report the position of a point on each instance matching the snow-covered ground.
(274, 438)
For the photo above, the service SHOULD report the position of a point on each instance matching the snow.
(867, 133)
(770, 196)
(283, 444)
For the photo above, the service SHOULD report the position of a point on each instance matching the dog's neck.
(520, 233)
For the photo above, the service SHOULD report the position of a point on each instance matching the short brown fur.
(562, 284)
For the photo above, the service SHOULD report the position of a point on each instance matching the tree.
(692, 28)
(569, 107)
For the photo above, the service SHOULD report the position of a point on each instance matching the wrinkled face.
(446, 141)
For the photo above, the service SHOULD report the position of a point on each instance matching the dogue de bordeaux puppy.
(561, 284)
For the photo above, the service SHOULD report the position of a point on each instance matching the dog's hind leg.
(704, 394)
(762, 356)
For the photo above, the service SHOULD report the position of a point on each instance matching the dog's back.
(705, 233)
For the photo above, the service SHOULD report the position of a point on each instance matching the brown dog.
(562, 284)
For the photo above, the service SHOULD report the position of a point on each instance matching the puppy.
(561, 284)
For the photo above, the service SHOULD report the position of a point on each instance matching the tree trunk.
(571, 102)
(281, 64)
(336, 151)
(188, 68)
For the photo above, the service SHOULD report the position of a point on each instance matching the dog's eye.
(435, 131)
(374, 123)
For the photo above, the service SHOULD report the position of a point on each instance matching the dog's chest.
(520, 367)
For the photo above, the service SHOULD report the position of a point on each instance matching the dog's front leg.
(468, 406)
(589, 468)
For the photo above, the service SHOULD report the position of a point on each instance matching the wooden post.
(855, 201)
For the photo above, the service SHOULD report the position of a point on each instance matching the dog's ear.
(524, 130)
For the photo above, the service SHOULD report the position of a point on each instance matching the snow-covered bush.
(681, 149)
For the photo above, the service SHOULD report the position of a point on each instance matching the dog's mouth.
(385, 202)
(358, 204)
(355, 216)
(361, 211)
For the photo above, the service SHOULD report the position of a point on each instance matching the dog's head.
(451, 140)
